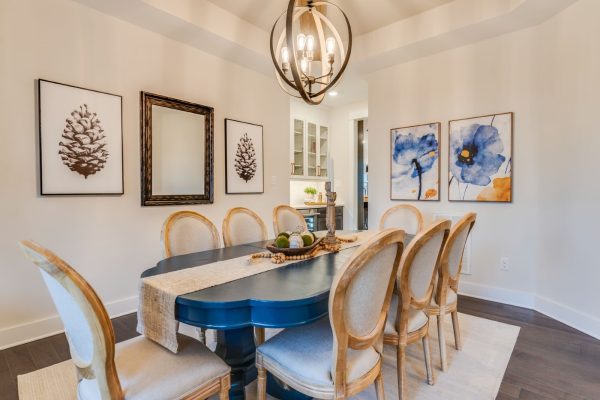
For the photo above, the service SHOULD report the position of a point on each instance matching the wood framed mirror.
(177, 151)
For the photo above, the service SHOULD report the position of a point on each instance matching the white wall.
(110, 240)
(548, 75)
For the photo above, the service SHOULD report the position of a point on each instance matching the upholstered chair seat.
(416, 319)
(141, 366)
(304, 355)
(451, 298)
(286, 218)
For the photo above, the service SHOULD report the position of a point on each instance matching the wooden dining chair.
(408, 321)
(242, 225)
(137, 368)
(286, 218)
(445, 299)
(403, 216)
(340, 356)
(185, 232)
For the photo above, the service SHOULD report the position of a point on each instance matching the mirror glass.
(177, 152)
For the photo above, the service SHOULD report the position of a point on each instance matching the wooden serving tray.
(293, 252)
(315, 203)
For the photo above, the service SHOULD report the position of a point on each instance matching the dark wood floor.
(550, 359)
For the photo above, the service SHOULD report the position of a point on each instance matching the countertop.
(317, 206)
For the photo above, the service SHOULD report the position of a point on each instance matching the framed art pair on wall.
(479, 160)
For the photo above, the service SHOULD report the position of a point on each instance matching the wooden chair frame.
(445, 281)
(102, 366)
(345, 340)
(280, 207)
(407, 300)
(412, 209)
(176, 216)
(227, 236)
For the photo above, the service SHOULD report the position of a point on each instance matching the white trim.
(576, 319)
(501, 295)
(41, 328)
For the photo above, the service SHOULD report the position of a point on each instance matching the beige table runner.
(156, 312)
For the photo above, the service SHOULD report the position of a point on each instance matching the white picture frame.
(80, 140)
(244, 161)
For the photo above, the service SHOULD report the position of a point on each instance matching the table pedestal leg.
(236, 347)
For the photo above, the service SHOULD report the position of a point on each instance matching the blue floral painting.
(415, 162)
(480, 158)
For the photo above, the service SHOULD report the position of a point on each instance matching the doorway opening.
(362, 174)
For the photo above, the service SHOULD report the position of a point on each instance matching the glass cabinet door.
(298, 148)
(311, 149)
(323, 150)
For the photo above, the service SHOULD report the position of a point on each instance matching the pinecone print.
(84, 148)
(245, 158)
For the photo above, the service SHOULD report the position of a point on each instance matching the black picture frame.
(147, 100)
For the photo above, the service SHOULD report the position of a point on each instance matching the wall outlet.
(504, 264)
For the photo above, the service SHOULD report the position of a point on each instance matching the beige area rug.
(475, 373)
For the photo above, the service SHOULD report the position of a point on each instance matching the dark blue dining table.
(289, 296)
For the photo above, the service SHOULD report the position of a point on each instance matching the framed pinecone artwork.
(243, 158)
(81, 140)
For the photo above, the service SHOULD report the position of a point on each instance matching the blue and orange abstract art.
(480, 159)
(414, 167)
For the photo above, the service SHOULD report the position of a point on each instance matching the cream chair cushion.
(302, 356)
(150, 372)
(451, 297)
(416, 318)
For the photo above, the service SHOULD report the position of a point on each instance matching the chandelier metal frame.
(302, 83)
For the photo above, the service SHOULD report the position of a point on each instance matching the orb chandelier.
(309, 54)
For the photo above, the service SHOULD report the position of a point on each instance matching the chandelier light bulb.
(285, 55)
(330, 45)
(301, 41)
(310, 43)
(304, 65)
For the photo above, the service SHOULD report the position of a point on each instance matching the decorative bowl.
(293, 252)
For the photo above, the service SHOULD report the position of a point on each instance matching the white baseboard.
(501, 295)
(581, 321)
(30, 331)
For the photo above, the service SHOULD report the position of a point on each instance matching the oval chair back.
(359, 301)
(452, 257)
(420, 264)
(403, 216)
(187, 232)
(87, 325)
(242, 225)
(286, 218)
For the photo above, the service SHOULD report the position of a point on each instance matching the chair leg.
(259, 336)
(379, 387)
(442, 341)
(457, 339)
(427, 354)
(225, 385)
(201, 334)
(401, 365)
(262, 382)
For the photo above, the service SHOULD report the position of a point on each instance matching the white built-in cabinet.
(309, 149)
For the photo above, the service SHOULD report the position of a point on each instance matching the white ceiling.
(364, 15)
